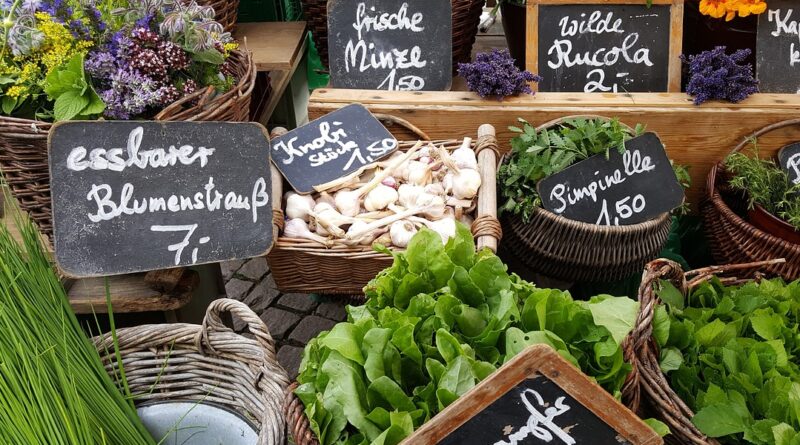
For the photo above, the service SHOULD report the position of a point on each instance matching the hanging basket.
(647, 383)
(205, 363)
(304, 266)
(732, 238)
(23, 142)
(577, 251)
(466, 18)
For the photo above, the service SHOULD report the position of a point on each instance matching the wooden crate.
(696, 136)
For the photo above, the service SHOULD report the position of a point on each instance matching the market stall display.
(735, 236)
(422, 185)
(720, 368)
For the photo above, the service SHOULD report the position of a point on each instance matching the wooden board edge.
(537, 359)
(675, 47)
(532, 39)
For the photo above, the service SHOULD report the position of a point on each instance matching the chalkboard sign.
(789, 158)
(536, 398)
(778, 48)
(333, 146)
(390, 45)
(627, 188)
(138, 196)
(626, 47)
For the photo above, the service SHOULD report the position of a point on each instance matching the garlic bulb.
(408, 195)
(447, 182)
(348, 202)
(466, 183)
(380, 197)
(299, 206)
(435, 189)
(410, 168)
(384, 239)
(390, 182)
(329, 221)
(326, 198)
(365, 239)
(445, 227)
(464, 156)
(401, 233)
(434, 206)
(297, 228)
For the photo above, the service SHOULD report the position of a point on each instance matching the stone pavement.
(292, 319)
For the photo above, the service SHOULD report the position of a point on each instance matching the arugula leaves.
(436, 323)
(731, 354)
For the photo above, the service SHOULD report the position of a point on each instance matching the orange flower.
(747, 7)
(731, 8)
(713, 8)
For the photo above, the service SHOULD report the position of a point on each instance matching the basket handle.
(394, 120)
(765, 130)
(213, 323)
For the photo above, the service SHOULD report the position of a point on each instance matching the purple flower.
(130, 94)
(494, 74)
(58, 9)
(101, 64)
(717, 75)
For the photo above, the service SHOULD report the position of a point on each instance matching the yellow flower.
(16, 91)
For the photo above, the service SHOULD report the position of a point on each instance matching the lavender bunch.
(717, 75)
(494, 74)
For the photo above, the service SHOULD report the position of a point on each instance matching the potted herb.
(773, 203)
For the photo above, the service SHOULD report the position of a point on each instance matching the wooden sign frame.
(675, 44)
(537, 360)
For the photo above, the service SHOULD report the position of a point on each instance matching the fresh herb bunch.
(494, 74)
(766, 184)
(437, 322)
(731, 353)
(715, 75)
(536, 155)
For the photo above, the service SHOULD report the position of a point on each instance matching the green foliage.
(74, 97)
(731, 354)
(765, 184)
(436, 323)
(536, 155)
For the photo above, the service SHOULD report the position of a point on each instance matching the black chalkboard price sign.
(600, 46)
(390, 45)
(778, 48)
(536, 398)
(789, 157)
(335, 145)
(138, 196)
(627, 188)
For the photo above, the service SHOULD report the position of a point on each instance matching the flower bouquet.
(110, 59)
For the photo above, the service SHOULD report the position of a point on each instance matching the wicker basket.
(306, 267)
(23, 142)
(647, 382)
(732, 238)
(576, 251)
(208, 363)
(226, 12)
(466, 18)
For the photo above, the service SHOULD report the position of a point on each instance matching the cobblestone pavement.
(292, 319)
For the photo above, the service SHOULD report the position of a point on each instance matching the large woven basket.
(647, 385)
(306, 267)
(569, 250)
(23, 142)
(732, 238)
(466, 18)
(206, 363)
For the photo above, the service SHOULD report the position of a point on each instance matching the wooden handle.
(394, 120)
(487, 194)
(277, 187)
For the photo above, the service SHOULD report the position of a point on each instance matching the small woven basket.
(466, 18)
(23, 142)
(304, 266)
(226, 12)
(647, 385)
(576, 251)
(205, 363)
(732, 238)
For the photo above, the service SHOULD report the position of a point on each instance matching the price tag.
(789, 158)
(136, 196)
(627, 188)
(778, 48)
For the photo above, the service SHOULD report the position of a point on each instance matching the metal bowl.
(195, 423)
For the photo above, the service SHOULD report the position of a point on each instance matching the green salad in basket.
(731, 354)
(537, 154)
(437, 322)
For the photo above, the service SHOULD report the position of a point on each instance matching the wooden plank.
(696, 136)
(536, 362)
(129, 293)
(276, 46)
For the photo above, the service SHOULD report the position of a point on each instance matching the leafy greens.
(436, 323)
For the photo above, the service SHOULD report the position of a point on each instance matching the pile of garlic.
(391, 200)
